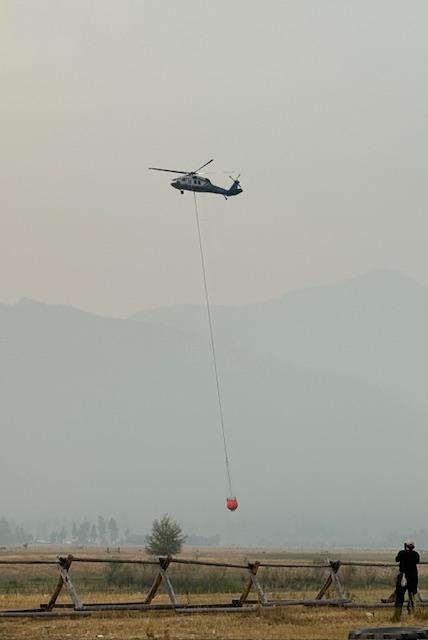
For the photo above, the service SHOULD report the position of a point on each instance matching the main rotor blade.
(212, 173)
(204, 165)
(169, 170)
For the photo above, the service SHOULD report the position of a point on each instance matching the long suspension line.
(210, 324)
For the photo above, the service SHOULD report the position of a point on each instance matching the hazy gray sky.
(321, 105)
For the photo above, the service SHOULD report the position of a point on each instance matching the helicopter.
(194, 181)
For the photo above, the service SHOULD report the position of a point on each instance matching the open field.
(281, 624)
(28, 586)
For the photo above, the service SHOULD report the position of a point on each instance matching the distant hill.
(325, 405)
(374, 327)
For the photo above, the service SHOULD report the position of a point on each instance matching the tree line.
(166, 535)
(102, 531)
(13, 534)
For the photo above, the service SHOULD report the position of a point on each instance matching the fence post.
(334, 568)
(163, 566)
(68, 584)
(67, 564)
(332, 578)
(253, 567)
(161, 576)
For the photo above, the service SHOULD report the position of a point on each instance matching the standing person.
(407, 579)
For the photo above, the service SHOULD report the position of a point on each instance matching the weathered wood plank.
(50, 605)
(62, 566)
(158, 579)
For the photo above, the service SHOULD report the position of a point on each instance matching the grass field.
(24, 587)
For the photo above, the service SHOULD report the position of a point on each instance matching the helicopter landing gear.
(182, 193)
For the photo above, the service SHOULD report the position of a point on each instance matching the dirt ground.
(286, 623)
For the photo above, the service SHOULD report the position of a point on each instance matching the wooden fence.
(332, 584)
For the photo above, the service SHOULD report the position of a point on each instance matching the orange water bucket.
(232, 503)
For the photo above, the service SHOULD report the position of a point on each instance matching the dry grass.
(286, 624)
(277, 623)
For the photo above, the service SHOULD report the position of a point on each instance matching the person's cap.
(410, 543)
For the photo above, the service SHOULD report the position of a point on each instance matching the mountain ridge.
(127, 410)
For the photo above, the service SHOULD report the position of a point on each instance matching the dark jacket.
(408, 559)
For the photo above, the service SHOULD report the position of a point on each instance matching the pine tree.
(113, 530)
(102, 529)
(166, 537)
(83, 532)
(6, 535)
(93, 534)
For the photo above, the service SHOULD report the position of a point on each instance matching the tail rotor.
(236, 188)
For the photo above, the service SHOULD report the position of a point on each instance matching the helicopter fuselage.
(200, 184)
(194, 181)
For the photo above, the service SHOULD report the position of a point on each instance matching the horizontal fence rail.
(331, 592)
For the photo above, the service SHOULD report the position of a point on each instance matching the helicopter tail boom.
(236, 188)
